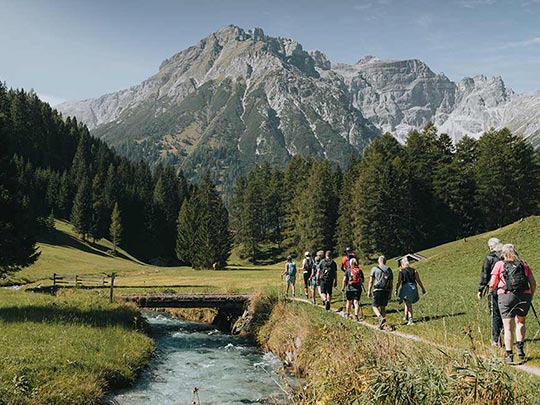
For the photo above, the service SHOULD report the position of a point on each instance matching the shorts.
(511, 304)
(314, 281)
(307, 279)
(353, 295)
(381, 298)
(290, 279)
(326, 286)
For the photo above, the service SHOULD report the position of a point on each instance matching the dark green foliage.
(81, 214)
(17, 225)
(115, 229)
(203, 228)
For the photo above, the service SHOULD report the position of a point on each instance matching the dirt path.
(524, 367)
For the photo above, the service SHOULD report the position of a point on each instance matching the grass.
(345, 363)
(450, 312)
(69, 349)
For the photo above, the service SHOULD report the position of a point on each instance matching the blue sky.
(74, 49)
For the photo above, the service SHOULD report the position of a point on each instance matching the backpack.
(357, 277)
(515, 278)
(308, 265)
(325, 269)
(291, 269)
(384, 280)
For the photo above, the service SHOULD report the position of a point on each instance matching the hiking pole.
(535, 314)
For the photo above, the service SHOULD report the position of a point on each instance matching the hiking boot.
(509, 358)
(327, 305)
(519, 350)
(410, 322)
(382, 321)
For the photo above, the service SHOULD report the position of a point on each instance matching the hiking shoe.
(356, 318)
(519, 350)
(495, 344)
(382, 321)
(313, 302)
(509, 358)
(327, 305)
(410, 322)
(306, 295)
(405, 319)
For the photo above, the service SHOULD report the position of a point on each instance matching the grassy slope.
(450, 313)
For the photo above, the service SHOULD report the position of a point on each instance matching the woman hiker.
(513, 282)
(353, 281)
(408, 279)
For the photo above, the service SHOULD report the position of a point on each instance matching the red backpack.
(357, 277)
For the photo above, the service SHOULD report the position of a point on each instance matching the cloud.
(475, 3)
(521, 44)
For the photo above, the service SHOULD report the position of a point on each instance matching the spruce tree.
(187, 230)
(116, 229)
(81, 214)
(98, 223)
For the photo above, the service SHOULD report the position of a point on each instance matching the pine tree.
(188, 225)
(17, 227)
(115, 229)
(81, 214)
(98, 222)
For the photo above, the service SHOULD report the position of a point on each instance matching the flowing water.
(225, 369)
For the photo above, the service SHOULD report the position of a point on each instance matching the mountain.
(235, 98)
(239, 97)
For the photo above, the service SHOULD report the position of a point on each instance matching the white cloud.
(521, 44)
(475, 3)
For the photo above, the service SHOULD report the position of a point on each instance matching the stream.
(226, 369)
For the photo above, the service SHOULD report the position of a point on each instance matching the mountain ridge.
(240, 97)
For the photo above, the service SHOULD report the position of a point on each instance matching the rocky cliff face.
(239, 97)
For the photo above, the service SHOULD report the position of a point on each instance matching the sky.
(75, 49)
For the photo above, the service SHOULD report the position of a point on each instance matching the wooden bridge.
(219, 301)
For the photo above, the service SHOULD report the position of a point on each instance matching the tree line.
(53, 168)
(393, 199)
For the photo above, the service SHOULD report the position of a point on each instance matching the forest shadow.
(437, 317)
(59, 314)
(59, 238)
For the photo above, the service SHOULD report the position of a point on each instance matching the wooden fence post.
(113, 274)
(54, 279)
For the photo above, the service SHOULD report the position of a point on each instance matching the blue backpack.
(291, 269)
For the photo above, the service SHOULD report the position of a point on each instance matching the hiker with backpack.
(307, 270)
(490, 260)
(327, 278)
(380, 288)
(345, 262)
(314, 284)
(512, 280)
(353, 281)
(290, 275)
(409, 280)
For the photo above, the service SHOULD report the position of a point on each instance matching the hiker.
(512, 280)
(327, 278)
(353, 281)
(346, 259)
(290, 273)
(493, 257)
(307, 269)
(380, 288)
(408, 279)
(314, 285)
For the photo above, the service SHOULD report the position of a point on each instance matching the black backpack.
(514, 277)
(326, 269)
(384, 282)
(308, 265)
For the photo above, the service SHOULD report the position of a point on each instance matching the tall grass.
(345, 363)
(67, 350)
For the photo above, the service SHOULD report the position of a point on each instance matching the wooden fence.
(85, 281)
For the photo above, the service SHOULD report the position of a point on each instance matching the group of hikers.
(321, 276)
(510, 285)
(507, 279)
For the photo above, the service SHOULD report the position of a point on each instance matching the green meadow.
(74, 347)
